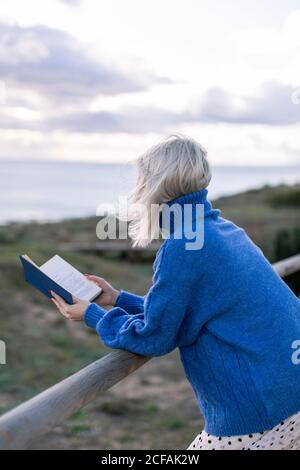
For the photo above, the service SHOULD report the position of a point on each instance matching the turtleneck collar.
(195, 198)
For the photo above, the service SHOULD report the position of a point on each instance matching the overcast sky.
(96, 80)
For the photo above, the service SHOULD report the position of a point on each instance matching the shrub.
(290, 198)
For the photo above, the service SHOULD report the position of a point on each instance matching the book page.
(30, 261)
(68, 277)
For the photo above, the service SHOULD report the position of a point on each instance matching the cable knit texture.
(232, 317)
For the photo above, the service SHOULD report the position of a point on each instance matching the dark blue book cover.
(42, 282)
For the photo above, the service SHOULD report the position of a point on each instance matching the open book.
(60, 277)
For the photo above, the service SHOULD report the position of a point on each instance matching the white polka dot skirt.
(284, 436)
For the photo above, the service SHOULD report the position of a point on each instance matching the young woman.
(232, 317)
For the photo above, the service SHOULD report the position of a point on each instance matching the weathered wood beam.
(22, 426)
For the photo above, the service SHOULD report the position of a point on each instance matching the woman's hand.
(108, 296)
(73, 312)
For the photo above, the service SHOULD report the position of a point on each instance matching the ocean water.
(57, 190)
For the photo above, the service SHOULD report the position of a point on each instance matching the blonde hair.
(174, 167)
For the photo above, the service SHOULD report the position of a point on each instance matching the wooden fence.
(25, 424)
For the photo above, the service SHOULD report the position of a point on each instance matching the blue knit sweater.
(231, 316)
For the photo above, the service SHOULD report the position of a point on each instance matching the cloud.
(71, 3)
(272, 105)
(134, 120)
(55, 64)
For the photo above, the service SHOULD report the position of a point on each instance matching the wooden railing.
(287, 266)
(25, 424)
(22, 426)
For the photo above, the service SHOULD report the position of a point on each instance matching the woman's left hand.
(73, 312)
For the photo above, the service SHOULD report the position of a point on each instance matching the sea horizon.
(50, 190)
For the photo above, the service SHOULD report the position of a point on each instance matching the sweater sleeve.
(154, 331)
(130, 302)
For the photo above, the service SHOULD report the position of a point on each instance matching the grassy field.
(155, 407)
